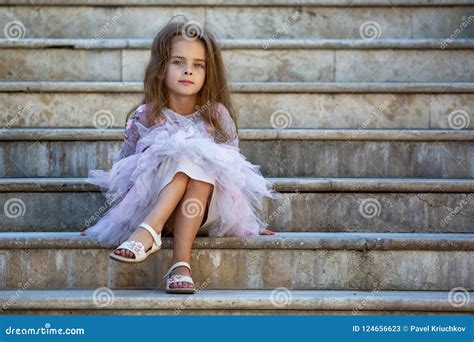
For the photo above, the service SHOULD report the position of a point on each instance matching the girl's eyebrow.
(196, 59)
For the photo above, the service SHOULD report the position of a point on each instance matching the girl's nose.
(188, 72)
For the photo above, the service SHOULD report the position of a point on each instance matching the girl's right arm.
(131, 136)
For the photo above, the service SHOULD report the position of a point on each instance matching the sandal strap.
(178, 264)
(175, 278)
(153, 233)
(136, 247)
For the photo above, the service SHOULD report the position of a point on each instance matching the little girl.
(180, 169)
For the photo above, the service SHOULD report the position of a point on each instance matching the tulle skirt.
(133, 184)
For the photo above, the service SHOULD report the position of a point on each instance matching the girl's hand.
(266, 232)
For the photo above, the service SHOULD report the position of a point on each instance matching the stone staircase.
(358, 111)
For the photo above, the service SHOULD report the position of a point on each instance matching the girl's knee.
(199, 186)
(180, 177)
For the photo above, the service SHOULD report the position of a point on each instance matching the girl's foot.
(139, 235)
(181, 270)
(266, 232)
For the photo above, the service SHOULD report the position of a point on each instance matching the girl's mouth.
(186, 82)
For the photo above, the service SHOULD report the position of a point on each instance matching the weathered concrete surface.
(233, 22)
(353, 207)
(291, 260)
(248, 65)
(255, 110)
(228, 302)
(252, 3)
(310, 156)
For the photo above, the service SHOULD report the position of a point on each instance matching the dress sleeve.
(228, 125)
(131, 136)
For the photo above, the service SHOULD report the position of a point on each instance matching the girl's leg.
(167, 201)
(187, 222)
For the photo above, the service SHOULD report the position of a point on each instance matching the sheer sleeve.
(228, 126)
(131, 135)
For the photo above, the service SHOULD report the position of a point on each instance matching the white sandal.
(175, 278)
(137, 247)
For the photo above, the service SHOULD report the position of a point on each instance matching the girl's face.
(187, 63)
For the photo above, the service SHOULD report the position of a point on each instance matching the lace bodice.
(132, 133)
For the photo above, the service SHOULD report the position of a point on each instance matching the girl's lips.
(186, 82)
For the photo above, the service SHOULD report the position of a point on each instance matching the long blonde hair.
(214, 90)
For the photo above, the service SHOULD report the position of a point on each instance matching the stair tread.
(248, 87)
(376, 134)
(286, 184)
(309, 43)
(249, 3)
(235, 300)
(281, 240)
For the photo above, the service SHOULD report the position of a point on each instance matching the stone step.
(303, 205)
(250, 3)
(425, 19)
(280, 301)
(296, 261)
(252, 61)
(46, 152)
(260, 104)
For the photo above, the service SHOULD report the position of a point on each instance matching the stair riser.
(243, 22)
(244, 269)
(277, 158)
(255, 110)
(298, 212)
(248, 65)
(212, 312)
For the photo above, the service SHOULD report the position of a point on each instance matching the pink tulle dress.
(151, 156)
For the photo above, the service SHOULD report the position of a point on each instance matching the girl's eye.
(198, 65)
